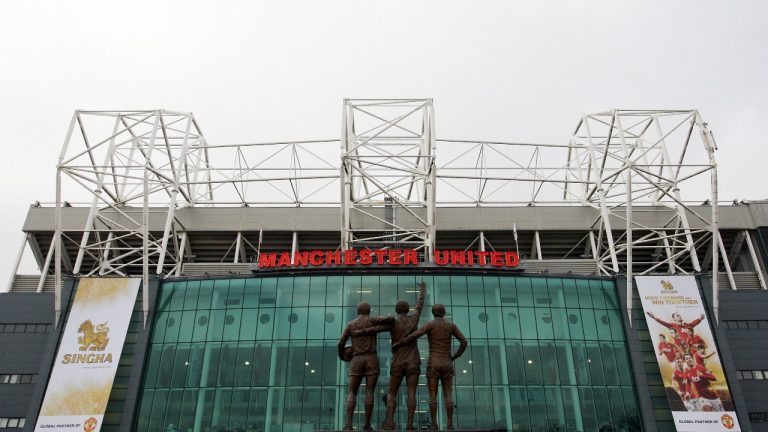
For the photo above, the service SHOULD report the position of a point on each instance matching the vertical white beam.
(145, 221)
(57, 243)
(537, 245)
(104, 260)
(345, 182)
(481, 241)
(46, 266)
(182, 247)
(755, 260)
(670, 255)
(726, 262)
(294, 245)
(629, 245)
(238, 244)
(709, 146)
(57, 224)
(430, 180)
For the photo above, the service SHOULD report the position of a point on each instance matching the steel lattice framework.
(387, 163)
(138, 166)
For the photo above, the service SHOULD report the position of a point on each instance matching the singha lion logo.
(90, 425)
(667, 285)
(93, 339)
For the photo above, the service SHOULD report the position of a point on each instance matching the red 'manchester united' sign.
(395, 257)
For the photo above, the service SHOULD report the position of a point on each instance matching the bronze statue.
(364, 361)
(406, 361)
(440, 362)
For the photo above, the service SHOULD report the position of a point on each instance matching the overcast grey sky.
(261, 71)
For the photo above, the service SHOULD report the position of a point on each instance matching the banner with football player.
(90, 348)
(687, 355)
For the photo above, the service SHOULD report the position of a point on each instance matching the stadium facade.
(248, 260)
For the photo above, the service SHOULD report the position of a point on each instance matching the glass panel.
(206, 294)
(478, 319)
(252, 293)
(588, 322)
(527, 318)
(191, 295)
(603, 325)
(475, 291)
(266, 323)
(595, 363)
(588, 415)
(515, 362)
(317, 291)
(544, 323)
(598, 296)
(609, 291)
(483, 402)
(158, 410)
(575, 327)
(603, 412)
(524, 293)
(532, 362)
(180, 366)
(301, 291)
(236, 291)
(249, 322)
(491, 291)
(459, 293)
(549, 362)
(284, 292)
(537, 407)
(187, 326)
(493, 324)
(565, 363)
(247, 354)
(584, 293)
(238, 415)
(518, 398)
(555, 409)
(511, 320)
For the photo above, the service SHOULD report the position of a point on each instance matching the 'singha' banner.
(687, 355)
(90, 349)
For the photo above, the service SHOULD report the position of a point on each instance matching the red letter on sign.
(332, 257)
(458, 258)
(365, 257)
(300, 259)
(350, 256)
(285, 260)
(267, 259)
(441, 260)
(395, 256)
(410, 257)
(511, 259)
(496, 259)
(316, 258)
(380, 256)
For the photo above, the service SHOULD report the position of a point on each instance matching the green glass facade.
(259, 353)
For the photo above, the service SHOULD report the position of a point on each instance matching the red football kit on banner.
(682, 382)
(699, 377)
(683, 329)
(669, 350)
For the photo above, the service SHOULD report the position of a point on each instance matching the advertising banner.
(687, 355)
(90, 348)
